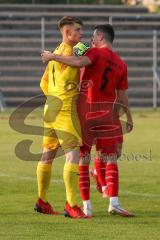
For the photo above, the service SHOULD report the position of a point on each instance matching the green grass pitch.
(139, 189)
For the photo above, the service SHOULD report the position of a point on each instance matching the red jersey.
(100, 81)
(106, 74)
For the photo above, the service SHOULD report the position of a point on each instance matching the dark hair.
(67, 20)
(108, 31)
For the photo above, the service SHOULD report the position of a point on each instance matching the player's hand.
(129, 126)
(80, 48)
(46, 56)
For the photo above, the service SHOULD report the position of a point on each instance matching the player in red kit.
(105, 76)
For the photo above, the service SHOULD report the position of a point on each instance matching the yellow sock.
(43, 179)
(70, 176)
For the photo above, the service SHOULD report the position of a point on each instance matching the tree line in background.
(61, 1)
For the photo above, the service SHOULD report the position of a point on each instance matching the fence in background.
(154, 35)
(24, 34)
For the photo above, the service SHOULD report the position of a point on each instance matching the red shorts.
(105, 146)
(104, 137)
(100, 125)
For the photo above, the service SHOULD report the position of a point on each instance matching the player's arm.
(44, 81)
(73, 61)
(122, 98)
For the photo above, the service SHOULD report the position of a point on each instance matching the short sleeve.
(92, 54)
(44, 81)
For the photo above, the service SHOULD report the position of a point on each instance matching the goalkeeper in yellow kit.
(59, 114)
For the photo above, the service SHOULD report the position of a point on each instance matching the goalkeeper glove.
(80, 48)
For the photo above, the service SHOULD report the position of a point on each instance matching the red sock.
(112, 179)
(84, 182)
(100, 167)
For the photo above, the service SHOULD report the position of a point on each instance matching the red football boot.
(44, 208)
(73, 212)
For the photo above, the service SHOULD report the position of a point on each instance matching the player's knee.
(85, 160)
(119, 153)
(112, 158)
(72, 156)
(48, 155)
(85, 157)
(46, 160)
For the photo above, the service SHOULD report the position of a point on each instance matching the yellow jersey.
(60, 80)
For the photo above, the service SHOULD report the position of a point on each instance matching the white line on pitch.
(60, 181)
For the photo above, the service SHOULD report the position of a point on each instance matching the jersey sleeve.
(123, 83)
(92, 54)
(44, 81)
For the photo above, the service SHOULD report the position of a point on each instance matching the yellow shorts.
(61, 128)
